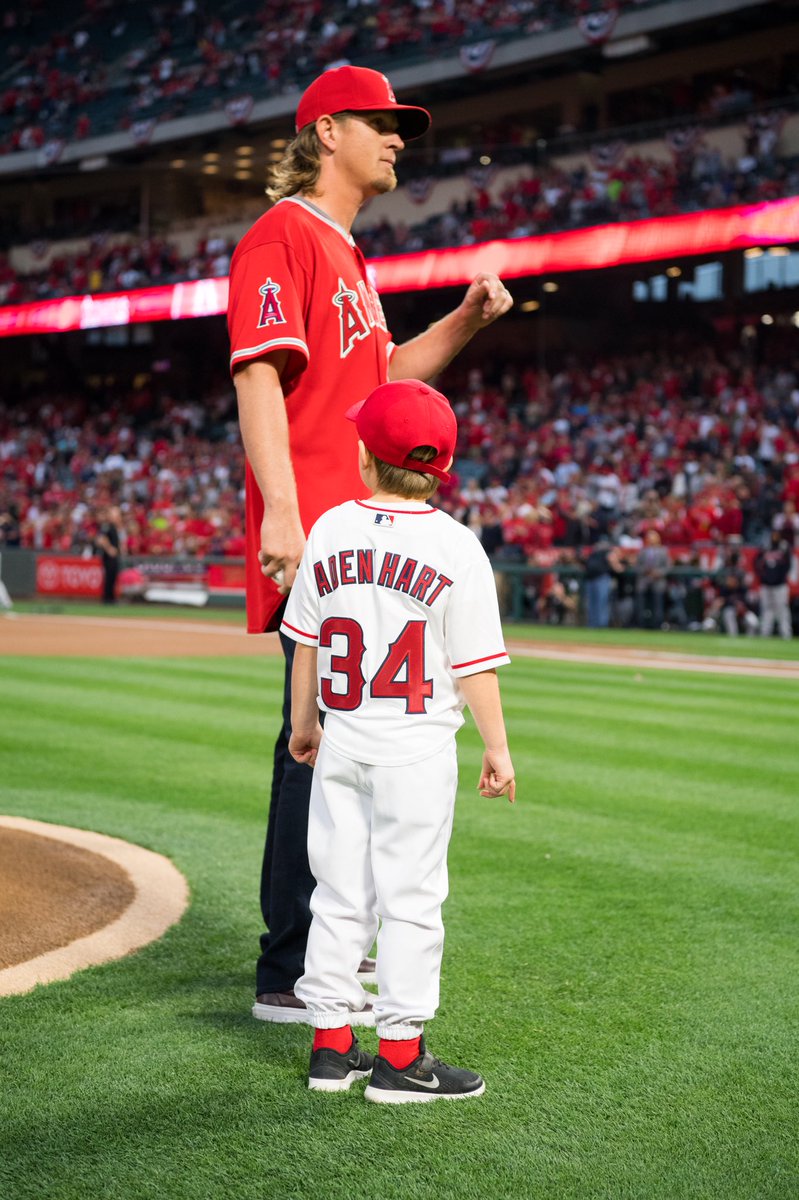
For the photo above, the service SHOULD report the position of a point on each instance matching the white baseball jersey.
(401, 603)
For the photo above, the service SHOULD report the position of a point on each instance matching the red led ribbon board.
(689, 234)
(173, 302)
(601, 246)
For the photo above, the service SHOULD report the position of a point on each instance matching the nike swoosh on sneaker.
(432, 1083)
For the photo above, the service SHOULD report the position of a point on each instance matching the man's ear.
(326, 131)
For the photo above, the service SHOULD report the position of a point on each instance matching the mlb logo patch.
(384, 519)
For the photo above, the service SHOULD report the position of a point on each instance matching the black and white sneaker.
(426, 1078)
(334, 1072)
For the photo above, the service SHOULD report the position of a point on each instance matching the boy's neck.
(381, 497)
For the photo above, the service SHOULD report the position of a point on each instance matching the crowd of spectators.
(110, 63)
(550, 198)
(175, 469)
(541, 200)
(114, 264)
(690, 453)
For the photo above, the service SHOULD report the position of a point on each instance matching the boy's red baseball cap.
(399, 416)
(359, 89)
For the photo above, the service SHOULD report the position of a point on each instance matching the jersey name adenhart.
(401, 574)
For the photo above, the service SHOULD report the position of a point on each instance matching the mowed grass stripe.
(233, 677)
(691, 688)
(93, 720)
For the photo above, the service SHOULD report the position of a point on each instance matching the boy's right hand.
(497, 777)
(304, 745)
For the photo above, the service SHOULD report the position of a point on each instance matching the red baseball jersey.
(299, 283)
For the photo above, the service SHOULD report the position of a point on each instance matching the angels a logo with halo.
(271, 310)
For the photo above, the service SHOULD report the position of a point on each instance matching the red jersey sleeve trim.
(473, 662)
(313, 636)
(284, 343)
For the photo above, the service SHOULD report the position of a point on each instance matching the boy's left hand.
(497, 777)
(304, 745)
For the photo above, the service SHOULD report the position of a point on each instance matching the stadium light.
(624, 47)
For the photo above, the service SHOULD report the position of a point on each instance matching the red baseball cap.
(397, 417)
(358, 89)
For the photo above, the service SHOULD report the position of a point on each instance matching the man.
(602, 565)
(650, 585)
(308, 338)
(772, 567)
(108, 545)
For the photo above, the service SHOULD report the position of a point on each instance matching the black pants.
(286, 879)
(110, 574)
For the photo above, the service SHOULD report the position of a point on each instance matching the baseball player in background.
(397, 624)
(308, 335)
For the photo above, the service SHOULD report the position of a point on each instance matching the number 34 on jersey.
(401, 674)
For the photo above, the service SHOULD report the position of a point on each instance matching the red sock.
(339, 1039)
(400, 1054)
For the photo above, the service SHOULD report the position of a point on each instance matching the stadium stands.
(696, 439)
(109, 65)
(703, 451)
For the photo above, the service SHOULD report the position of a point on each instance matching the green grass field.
(621, 958)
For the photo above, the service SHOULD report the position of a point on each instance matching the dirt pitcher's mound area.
(54, 893)
(71, 898)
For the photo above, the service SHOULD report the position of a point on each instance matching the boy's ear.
(365, 457)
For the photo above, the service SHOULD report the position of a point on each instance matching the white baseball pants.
(377, 845)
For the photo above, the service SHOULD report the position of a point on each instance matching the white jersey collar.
(414, 508)
(320, 216)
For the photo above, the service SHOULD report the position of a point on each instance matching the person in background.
(602, 565)
(729, 605)
(108, 544)
(772, 567)
(652, 567)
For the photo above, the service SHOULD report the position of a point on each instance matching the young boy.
(396, 618)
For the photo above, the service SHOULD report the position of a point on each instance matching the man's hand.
(497, 777)
(304, 744)
(486, 299)
(282, 544)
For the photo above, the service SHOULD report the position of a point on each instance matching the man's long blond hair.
(298, 169)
